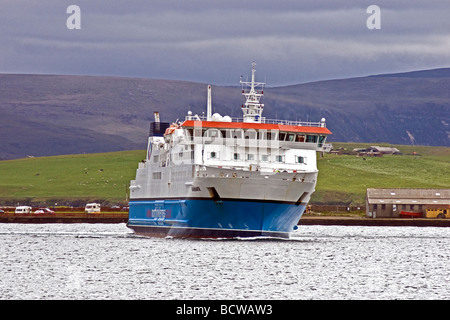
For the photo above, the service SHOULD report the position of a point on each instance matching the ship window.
(250, 134)
(311, 138)
(250, 156)
(236, 156)
(156, 175)
(300, 159)
(213, 133)
(189, 134)
(321, 140)
(266, 134)
(214, 155)
(291, 136)
(197, 132)
(279, 158)
(300, 138)
(282, 136)
(264, 157)
(272, 135)
(236, 133)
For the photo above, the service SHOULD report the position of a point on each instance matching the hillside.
(376, 108)
(105, 177)
(54, 114)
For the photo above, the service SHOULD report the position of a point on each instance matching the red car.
(46, 211)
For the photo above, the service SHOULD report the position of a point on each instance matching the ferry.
(217, 177)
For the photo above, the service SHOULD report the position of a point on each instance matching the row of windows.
(177, 156)
(236, 156)
(261, 135)
(175, 175)
(263, 157)
(402, 207)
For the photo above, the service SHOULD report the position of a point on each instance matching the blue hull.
(206, 218)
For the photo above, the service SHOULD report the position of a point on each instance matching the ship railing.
(268, 121)
(295, 123)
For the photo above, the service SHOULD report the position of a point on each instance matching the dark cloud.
(215, 41)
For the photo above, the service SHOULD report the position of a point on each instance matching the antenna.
(209, 105)
(252, 108)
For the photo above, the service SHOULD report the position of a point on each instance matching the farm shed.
(394, 203)
(384, 150)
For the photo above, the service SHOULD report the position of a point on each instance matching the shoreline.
(39, 220)
(305, 220)
(373, 222)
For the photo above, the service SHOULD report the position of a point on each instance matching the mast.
(252, 108)
(209, 105)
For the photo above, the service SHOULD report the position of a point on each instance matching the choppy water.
(107, 261)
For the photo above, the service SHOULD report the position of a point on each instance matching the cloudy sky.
(215, 41)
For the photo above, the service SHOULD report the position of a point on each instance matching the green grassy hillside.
(100, 177)
(343, 179)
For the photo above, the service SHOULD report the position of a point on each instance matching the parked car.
(44, 211)
(92, 208)
(23, 210)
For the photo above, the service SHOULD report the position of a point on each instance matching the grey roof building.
(391, 202)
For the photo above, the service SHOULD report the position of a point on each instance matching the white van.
(92, 208)
(23, 210)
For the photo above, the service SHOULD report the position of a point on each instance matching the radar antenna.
(252, 91)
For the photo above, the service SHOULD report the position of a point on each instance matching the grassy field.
(105, 177)
(89, 177)
(345, 178)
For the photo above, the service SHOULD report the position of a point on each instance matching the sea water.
(108, 261)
